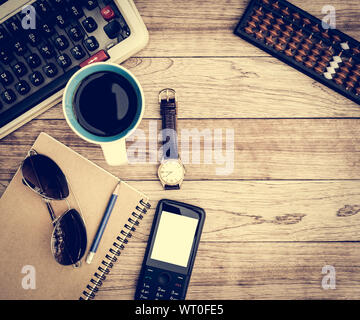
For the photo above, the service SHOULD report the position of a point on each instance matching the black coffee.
(105, 104)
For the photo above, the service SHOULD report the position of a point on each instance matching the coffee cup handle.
(115, 152)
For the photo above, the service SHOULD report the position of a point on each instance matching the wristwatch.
(171, 171)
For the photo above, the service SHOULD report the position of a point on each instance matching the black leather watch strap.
(168, 115)
(167, 187)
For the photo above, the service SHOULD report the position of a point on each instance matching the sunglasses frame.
(55, 220)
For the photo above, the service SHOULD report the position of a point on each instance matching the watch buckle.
(170, 94)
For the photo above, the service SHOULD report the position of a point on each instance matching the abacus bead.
(328, 75)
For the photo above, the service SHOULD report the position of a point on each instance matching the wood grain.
(267, 211)
(205, 28)
(246, 270)
(292, 203)
(245, 87)
(263, 149)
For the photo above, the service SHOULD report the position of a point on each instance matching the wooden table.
(290, 206)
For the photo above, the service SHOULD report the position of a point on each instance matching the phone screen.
(174, 238)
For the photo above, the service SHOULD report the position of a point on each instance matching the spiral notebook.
(28, 269)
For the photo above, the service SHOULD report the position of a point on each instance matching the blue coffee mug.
(114, 147)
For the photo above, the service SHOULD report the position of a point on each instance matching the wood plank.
(265, 211)
(250, 87)
(252, 271)
(262, 239)
(262, 149)
(205, 28)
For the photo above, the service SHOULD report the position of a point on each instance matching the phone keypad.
(160, 285)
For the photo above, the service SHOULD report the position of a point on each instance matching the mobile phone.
(171, 251)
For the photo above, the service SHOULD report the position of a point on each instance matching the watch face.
(171, 172)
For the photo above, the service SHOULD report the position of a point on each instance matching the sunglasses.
(69, 240)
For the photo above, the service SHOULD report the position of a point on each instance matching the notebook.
(26, 229)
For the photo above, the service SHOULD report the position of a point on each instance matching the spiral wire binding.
(111, 257)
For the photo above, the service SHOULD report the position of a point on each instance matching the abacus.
(302, 41)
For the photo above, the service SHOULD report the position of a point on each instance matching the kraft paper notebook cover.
(26, 228)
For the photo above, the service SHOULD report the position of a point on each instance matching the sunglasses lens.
(44, 176)
(69, 239)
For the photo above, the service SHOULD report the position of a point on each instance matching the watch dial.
(171, 172)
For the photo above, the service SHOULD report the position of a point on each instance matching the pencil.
(103, 224)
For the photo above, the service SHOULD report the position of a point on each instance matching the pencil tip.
(116, 191)
(90, 257)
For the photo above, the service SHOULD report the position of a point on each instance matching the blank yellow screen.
(174, 239)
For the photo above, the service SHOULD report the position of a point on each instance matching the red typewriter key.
(107, 13)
